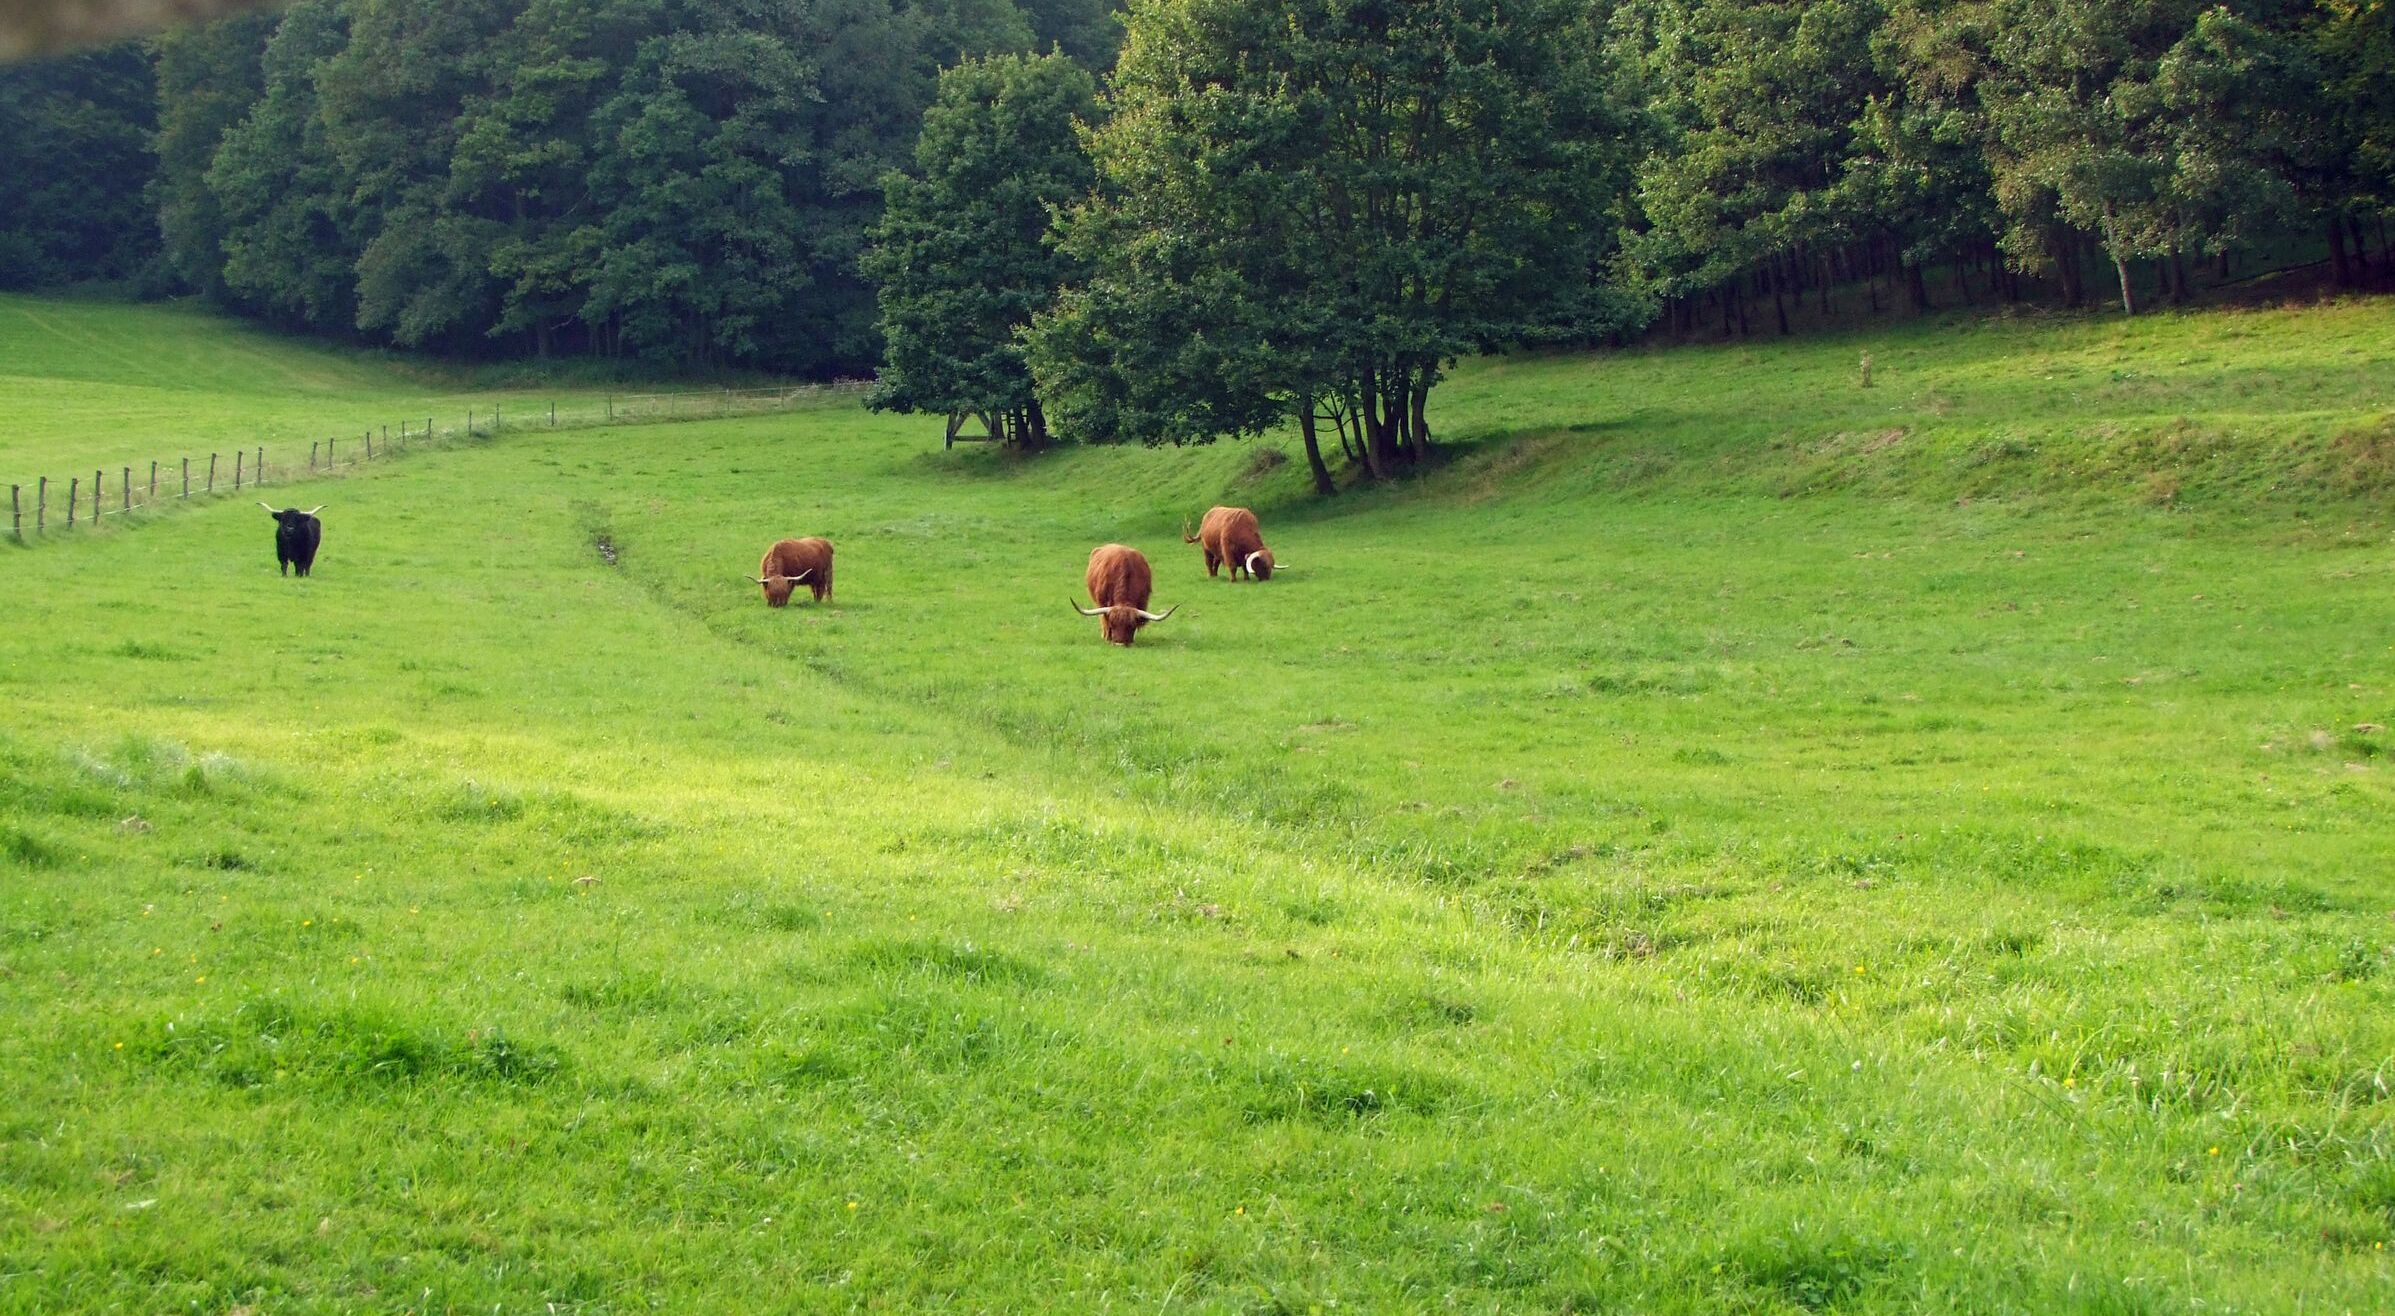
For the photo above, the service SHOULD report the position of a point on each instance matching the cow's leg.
(1213, 564)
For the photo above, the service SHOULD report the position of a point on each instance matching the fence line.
(250, 467)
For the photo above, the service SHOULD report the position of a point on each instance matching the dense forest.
(703, 183)
(681, 180)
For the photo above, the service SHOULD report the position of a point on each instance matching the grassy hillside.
(1727, 840)
(93, 385)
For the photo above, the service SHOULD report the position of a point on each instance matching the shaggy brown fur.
(792, 557)
(1230, 534)
(1119, 583)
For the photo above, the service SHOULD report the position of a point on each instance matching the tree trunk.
(1916, 285)
(1417, 421)
(1039, 424)
(2178, 277)
(1389, 430)
(1779, 300)
(1305, 430)
(2066, 263)
(1371, 434)
(2121, 267)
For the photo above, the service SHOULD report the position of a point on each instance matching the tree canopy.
(960, 252)
(1319, 203)
(1283, 210)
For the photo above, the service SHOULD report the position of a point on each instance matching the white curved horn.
(1250, 563)
(1089, 612)
(1145, 615)
(317, 508)
(270, 511)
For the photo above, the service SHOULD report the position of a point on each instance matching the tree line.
(1298, 212)
(1213, 218)
(681, 181)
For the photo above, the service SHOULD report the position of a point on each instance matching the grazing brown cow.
(1230, 534)
(1119, 581)
(791, 561)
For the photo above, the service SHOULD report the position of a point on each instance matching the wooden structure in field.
(992, 431)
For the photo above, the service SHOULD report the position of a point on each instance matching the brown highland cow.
(794, 560)
(1119, 582)
(1230, 534)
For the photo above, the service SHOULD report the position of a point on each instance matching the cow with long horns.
(792, 561)
(1119, 583)
(1230, 534)
(296, 535)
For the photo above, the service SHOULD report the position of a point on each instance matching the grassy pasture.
(91, 385)
(1727, 840)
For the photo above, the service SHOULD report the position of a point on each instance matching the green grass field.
(91, 385)
(1727, 840)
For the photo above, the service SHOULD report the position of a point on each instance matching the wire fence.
(48, 505)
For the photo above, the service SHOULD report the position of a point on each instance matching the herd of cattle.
(1119, 579)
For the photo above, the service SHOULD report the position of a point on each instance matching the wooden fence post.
(611, 410)
(186, 477)
(16, 513)
(99, 490)
(370, 445)
(332, 454)
(72, 483)
(153, 482)
(552, 413)
(240, 457)
(495, 422)
(128, 488)
(41, 507)
(257, 473)
(312, 446)
(212, 472)
(469, 422)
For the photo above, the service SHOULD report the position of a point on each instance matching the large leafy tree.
(291, 237)
(1310, 202)
(961, 252)
(1761, 103)
(210, 78)
(2159, 126)
(74, 156)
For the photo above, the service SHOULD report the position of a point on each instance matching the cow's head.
(778, 588)
(1259, 564)
(1122, 621)
(291, 518)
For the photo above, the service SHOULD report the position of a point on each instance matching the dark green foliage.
(961, 252)
(1314, 203)
(289, 244)
(74, 157)
(209, 78)
(688, 182)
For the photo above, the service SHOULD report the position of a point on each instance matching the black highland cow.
(296, 535)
